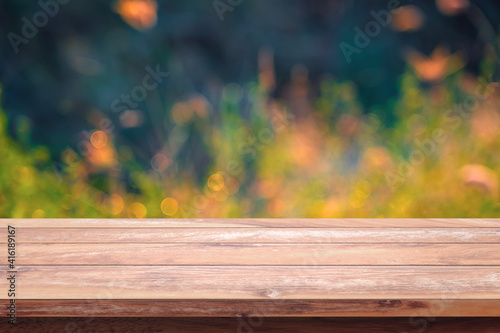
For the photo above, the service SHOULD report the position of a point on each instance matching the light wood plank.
(251, 223)
(257, 235)
(261, 282)
(255, 325)
(258, 254)
(219, 267)
(261, 308)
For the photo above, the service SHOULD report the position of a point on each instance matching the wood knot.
(270, 293)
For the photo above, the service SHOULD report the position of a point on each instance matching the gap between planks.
(261, 308)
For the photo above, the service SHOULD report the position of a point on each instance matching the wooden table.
(253, 275)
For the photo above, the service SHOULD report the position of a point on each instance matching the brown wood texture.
(256, 308)
(262, 267)
(255, 325)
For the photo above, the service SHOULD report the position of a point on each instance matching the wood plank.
(262, 308)
(257, 235)
(258, 254)
(259, 267)
(257, 282)
(251, 223)
(254, 325)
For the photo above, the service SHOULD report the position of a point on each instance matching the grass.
(329, 158)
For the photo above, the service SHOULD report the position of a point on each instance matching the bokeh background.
(261, 113)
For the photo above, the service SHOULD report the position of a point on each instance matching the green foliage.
(338, 160)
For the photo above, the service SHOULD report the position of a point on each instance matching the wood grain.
(251, 223)
(257, 235)
(258, 254)
(255, 325)
(257, 282)
(261, 267)
(262, 308)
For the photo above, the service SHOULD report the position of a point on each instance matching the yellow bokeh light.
(27, 174)
(117, 204)
(102, 157)
(363, 189)
(221, 195)
(357, 201)
(38, 214)
(169, 206)
(99, 139)
(69, 156)
(332, 207)
(137, 210)
(215, 182)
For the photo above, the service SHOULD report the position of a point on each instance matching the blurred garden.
(145, 109)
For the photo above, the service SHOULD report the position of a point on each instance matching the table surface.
(254, 267)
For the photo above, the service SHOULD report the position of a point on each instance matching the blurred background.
(239, 108)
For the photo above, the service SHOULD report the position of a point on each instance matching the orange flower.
(437, 66)
(452, 7)
(140, 14)
(102, 157)
(409, 18)
(479, 176)
(101, 152)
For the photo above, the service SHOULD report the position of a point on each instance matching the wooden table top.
(245, 267)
